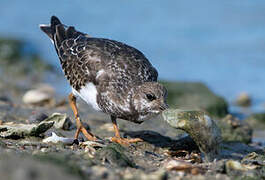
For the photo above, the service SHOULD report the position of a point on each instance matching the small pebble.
(44, 150)
(42, 95)
(243, 99)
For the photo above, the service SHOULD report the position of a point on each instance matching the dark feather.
(83, 57)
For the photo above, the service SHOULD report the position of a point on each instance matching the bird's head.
(149, 99)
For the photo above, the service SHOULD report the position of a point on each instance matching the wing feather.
(83, 58)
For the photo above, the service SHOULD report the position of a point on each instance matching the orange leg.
(79, 125)
(118, 138)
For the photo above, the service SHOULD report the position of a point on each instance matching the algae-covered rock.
(190, 95)
(61, 121)
(16, 131)
(257, 121)
(235, 130)
(254, 158)
(114, 154)
(199, 126)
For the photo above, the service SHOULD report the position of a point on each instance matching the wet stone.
(114, 155)
(202, 129)
(235, 130)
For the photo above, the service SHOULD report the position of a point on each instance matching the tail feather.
(54, 22)
(58, 32)
(47, 29)
(50, 29)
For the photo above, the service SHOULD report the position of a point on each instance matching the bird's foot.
(125, 141)
(88, 135)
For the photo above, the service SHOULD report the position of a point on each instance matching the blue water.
(221, 43)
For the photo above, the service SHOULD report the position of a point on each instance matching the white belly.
(89, 94)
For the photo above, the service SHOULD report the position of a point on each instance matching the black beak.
(163, 107)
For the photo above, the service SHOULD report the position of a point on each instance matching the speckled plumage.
(120, 75)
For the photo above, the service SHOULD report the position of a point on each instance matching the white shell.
(55, 139)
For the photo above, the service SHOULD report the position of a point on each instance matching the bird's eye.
(150, 97)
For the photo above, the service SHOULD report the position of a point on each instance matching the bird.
(111, 76)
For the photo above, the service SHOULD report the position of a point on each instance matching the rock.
(257, 121)
(55, 139)
(234, 165)
(157, 175)
(91, 147)
(159, 144)
(191, 95)
(42, 95)
(61, 121)
(243, 100)
(114, 155)
(254, 158)
(192, 157)
(179, 165)
(237, 150)
(160, 174)
(2, 144)
(37, 117)
(236, 169)
(68, 161)
(16, 131)
(235, 130)
(95, 144)
(151, 137)
(199, 126)
(13, 167)
(101, 172)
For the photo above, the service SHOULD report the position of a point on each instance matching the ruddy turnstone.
(113, 77)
